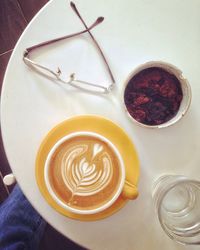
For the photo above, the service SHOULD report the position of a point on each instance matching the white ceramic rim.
(55, 197)
(187, 93)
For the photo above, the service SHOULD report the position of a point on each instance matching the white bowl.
(185, 86)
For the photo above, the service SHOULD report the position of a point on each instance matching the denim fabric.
(21, 227)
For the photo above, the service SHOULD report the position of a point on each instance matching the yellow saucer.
(105, 128)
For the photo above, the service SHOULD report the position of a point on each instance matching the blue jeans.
(21, 227)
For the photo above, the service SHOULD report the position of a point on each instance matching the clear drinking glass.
(177, 203)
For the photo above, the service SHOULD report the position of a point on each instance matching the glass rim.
(178, 179)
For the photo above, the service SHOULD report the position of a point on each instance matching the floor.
(14, 17)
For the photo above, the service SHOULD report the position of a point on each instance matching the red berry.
(141, 100)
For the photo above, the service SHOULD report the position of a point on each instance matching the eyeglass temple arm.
(97, 22)
(73, 6)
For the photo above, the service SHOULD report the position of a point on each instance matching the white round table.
(133, 32)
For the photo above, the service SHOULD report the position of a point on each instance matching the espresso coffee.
(84, 172)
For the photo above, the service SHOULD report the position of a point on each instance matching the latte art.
(84, 172)
(83, 177)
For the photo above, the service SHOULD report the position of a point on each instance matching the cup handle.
(129, 191)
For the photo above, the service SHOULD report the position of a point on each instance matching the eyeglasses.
(57, 75)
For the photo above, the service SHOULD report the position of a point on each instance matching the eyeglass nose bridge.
(56, 75)
(95, 88)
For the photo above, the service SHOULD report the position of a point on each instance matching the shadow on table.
(53, 240)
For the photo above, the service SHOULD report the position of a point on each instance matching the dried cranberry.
(141, 100)
(168, 90)
(157, 111)
(155, 86)
(139, 115)
(141, 84)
